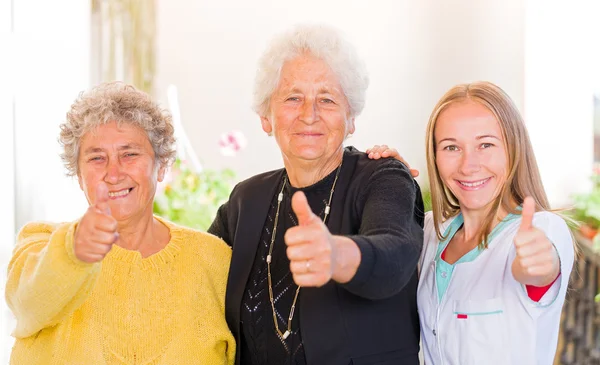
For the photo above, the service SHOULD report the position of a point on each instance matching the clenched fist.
(97, 230)
(310, 246)
(537, 261)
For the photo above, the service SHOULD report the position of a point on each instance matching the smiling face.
(470, 152)
(309, 113)
(123, 158)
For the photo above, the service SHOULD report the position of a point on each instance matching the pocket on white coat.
(481, 332)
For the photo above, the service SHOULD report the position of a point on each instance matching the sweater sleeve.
(390, 237)
(46, 282)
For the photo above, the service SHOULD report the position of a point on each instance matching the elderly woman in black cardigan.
(325, 250)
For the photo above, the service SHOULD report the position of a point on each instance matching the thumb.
(527, 214)
(302, 209)
(101, 202)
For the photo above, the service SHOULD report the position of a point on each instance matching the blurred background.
(198, 58)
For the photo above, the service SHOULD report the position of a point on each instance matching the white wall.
(562, 69)
(7, 186)
(52, 67)
(415, 51)
(7, 198)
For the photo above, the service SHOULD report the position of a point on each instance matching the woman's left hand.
(383, 151)
(310, 246)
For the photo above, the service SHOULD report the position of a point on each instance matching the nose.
(113, 172)
(309, 113)
(469, 163)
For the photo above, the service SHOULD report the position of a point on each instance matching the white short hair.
(323, 42)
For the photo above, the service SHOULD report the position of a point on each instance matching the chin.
(308, 154)
(122, 215)
(476, 204)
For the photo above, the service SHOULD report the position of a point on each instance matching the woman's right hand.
(384, 151)
(97, 230)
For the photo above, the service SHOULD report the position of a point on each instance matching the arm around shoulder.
(390, 237)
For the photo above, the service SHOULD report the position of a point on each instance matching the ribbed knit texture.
(165, 309)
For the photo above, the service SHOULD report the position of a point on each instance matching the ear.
(80, 181)
(266, 125)
(161, 173)
(351, 126)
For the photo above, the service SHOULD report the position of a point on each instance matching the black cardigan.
(371, 319)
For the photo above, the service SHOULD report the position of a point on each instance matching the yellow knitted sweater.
(165, 309)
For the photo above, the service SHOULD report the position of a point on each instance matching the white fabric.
(524, 333)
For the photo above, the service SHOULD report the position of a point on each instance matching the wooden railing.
(580, 327)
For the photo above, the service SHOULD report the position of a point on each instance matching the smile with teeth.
(473, 184)
(119, 194)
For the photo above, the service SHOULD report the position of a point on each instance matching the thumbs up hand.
(97, 229)
(310, 246)
(536, 262)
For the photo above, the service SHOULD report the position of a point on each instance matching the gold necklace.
(288, 331)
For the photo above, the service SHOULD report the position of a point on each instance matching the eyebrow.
(322, 90)
(478, 137)
(129, 146)
(487, 136)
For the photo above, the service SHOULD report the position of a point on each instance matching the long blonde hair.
(523, 177)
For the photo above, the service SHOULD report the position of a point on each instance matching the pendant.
(285, 334)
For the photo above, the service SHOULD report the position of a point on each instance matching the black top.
(371, 319)
(260, 342)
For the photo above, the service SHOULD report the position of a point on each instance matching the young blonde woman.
(496, 261)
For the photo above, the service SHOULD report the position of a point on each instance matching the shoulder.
(388, 175)
(431, 239)
(37, 235)
(366, 166)
(41, 231)
(200, 242)
(36, 228)
(258, 181)
(551, 223)
(556, 229)
(429, 226)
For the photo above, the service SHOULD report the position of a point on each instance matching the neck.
(304, 173)
(474, 219)
(137, 233)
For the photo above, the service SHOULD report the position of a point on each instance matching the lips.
(473, 184)
(309, 134)
(117, 194)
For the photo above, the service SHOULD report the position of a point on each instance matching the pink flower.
(232, 142)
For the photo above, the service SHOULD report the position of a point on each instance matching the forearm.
(46, 282)
(390, 237)
(387, 264)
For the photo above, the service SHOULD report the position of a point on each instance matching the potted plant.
(192, 198)
(586, 209)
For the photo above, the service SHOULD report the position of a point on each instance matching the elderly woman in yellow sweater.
(119, 285)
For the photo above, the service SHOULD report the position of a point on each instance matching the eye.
(451, 148)
(130, 154)
(487, 145)
(327, 101)
(95, 158)
(293, 98)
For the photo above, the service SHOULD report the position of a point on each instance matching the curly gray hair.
(323, 42)
(121, 103)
